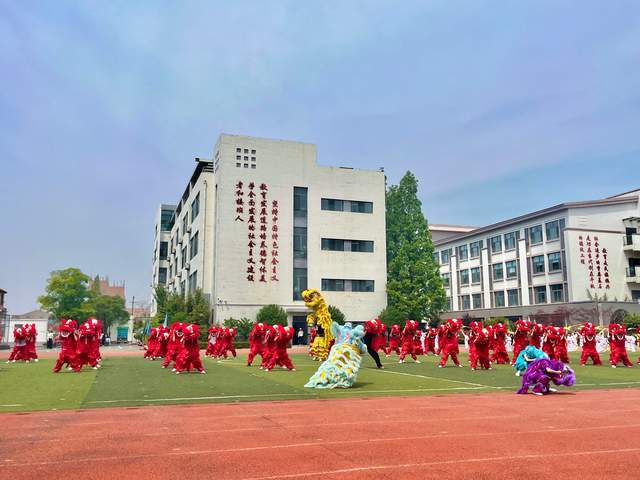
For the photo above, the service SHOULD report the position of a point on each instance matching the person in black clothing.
(370, 331)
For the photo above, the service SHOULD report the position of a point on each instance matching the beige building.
(566, 263)
(262, 221)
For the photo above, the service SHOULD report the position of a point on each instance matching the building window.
(332, 285)
(465, 302)
(362, 285)
(193, 281)
(474, 249)
(299, 282)
(238, 165)
(498, 299)
(537, 264)
(166, 217)
(246, 150)
(552, 230)
(555, 263)
(540, 294)
(185, 222)
(498, 271)
(238, 150)
(477, 300)
(162, 276)
(464, 277)
(164, 250)
(354, 206)
(195, 207)
(513, 297)
(475, 275)
(193, 245)
(183, 287)
(253, 152)
(463, 253)
(445, 254)
(340, 285)
(436, 257)
(496, 244)
(446, 279)
(184, 256)
(253, 166)
(361, 207)
(512, 269)
(510, 241)
(239, 157)
(535, 234)
(334, 244)
(300, 202)
(557, 294)
(299, 242)
(332, 204)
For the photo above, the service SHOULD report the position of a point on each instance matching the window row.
(338, 245)
(511, 298)
(538, 295)
(474, 273)
(338, 285)
(354, 206)
(246, 150)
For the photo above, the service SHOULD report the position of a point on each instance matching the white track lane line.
(436, 378)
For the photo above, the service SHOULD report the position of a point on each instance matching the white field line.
(322, 443)
(445, 462)
(436, 378)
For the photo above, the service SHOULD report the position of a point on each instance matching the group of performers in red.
(220, 342)
(80, 346)
(271, 343)
(178, 344)
(24, 344)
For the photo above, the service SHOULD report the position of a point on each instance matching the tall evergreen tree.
(414, 285)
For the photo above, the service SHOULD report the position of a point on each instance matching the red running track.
(487, 436)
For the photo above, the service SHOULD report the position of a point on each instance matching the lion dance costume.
(69, 348)
(588, 333)
(394, 340)
(450, 342)
(340, 370)
(320, 319)
(542, 372)
(617, 344)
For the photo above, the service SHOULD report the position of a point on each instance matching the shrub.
(272, 315)
(632, 320)
(242, 326)
(336, 315)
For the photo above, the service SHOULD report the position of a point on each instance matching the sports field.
(132, 381)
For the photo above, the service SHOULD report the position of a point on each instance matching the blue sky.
(499, 108)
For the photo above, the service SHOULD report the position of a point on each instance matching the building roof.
(2, 291)
(33, 315)
(539, 213)
(441, 227)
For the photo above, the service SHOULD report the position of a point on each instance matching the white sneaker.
(553, 390)
(293, 369)
(460, 366)
(95, 368)
(613, 366)
(203, 372)
(418, 361)
(537, 393)
(517, 373)
(439, 366)
(177, 373)
(36, 360)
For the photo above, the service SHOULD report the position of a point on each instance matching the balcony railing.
(631, 272)
(630, 239)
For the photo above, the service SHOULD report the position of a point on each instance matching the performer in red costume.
(418, 349)
(450, 342)
(69, 348)
(537, 332)
(211, 341)
(174, 345)
(229, 345)
(152, 344)
(189, 356)
(499, 336)
(442, 330)
(617, 345)
(549, 342)
(561, 345)
(269, 347)
(96, 325)
(408, 333)
(280, 357)
(430, 341)
(588, 333)
(86, 355)
(380, 339)
(256, 338)
(30, 330)
(471, 338)
(395, 335)
(520, 337)
(19, 351)
(481, 342)
(163, 341)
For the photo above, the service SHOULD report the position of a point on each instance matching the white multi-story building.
(263, 221)
(565, 263)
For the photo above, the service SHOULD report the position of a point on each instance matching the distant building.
(262, 221)
(566, 263)
(109, 289)
(440, 232)
(2, 294)
(4, 318)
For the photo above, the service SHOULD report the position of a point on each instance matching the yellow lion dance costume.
(320, 318)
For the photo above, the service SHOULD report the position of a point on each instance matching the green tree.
(243, 326)
(391, 315)
(414, 284)
(272, 315)
(67, 295)
(198, 309)
(336, 315)
(632, 320)
(111, 310)
(160, 296)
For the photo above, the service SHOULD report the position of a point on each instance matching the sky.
(499, 108)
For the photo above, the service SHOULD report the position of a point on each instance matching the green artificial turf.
(130, 381)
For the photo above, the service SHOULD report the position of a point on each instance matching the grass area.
(128, 381)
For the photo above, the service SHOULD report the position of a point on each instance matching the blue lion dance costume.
(340, 369)
(526, 356)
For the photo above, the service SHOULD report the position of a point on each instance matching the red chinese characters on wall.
(257, 216)
(594, 256)
(274, 241)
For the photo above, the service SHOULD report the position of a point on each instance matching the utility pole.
(133, 298)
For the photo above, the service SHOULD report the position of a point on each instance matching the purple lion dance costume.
(542, 372)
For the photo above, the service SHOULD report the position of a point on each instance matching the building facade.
(567, 263)
(263, 221)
